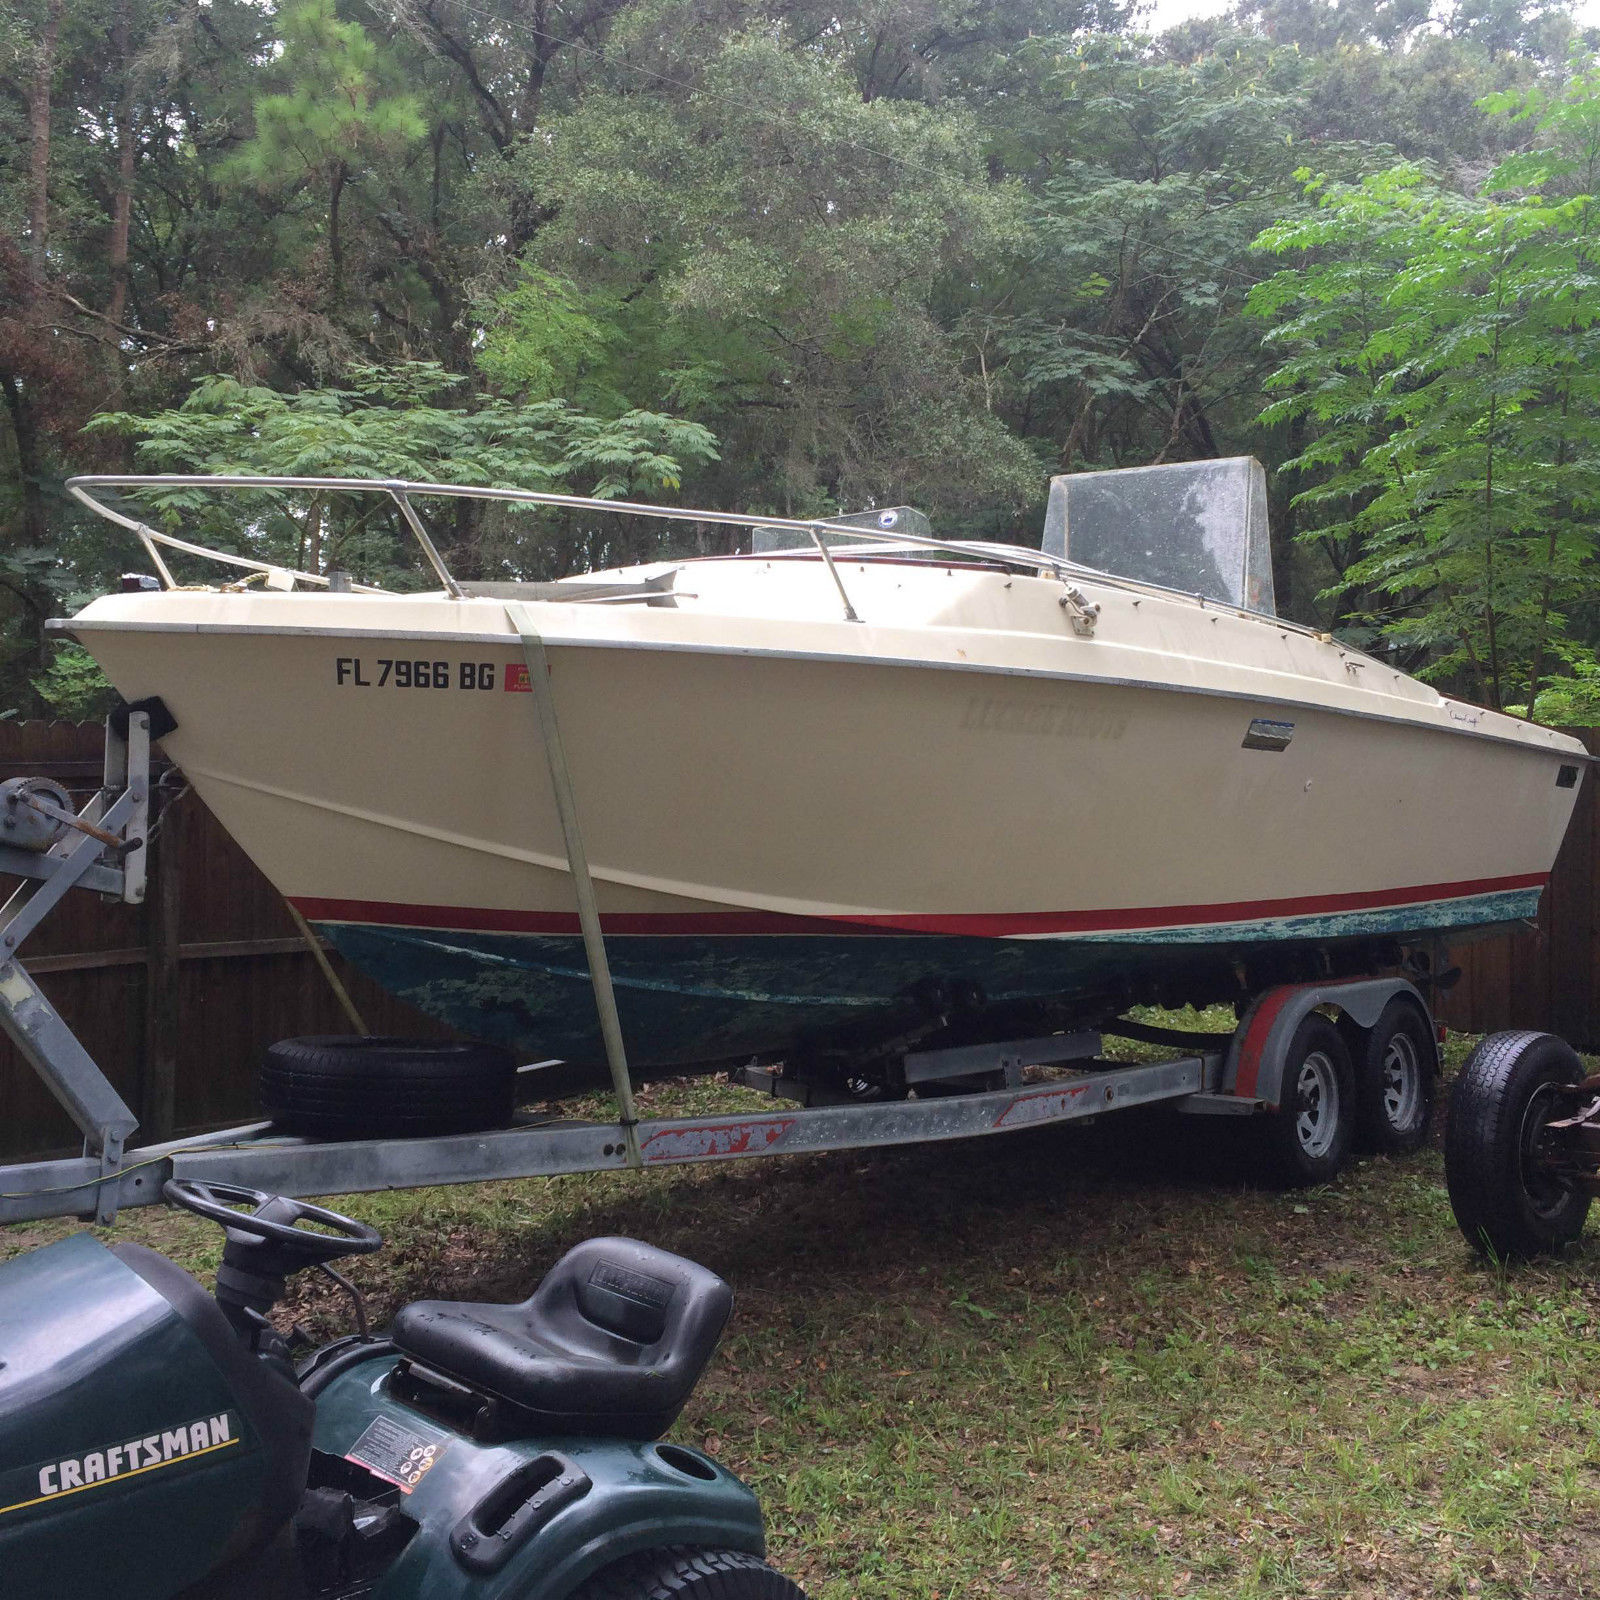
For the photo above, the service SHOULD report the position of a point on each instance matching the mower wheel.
(1506, 1204)
(680, 1572)
(348, 1086)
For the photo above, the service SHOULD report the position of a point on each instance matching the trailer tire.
(356, 1087)
(681, 1572)
(1306, 1140)
(1505, 1208)
(1397, 1075)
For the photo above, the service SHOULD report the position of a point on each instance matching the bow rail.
(402, 492)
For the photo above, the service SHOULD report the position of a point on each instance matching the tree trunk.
(336, 178)
(35, 523)
(39, 137)
(122, 204)
(24, 428)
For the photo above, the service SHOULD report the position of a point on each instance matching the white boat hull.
(796, 823)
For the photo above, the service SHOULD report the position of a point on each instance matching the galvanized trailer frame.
(255, 1156)
(104, 849)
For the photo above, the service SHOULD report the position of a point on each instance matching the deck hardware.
(1083, 612)
(398, 494)
(816, 529)
(1014, 556)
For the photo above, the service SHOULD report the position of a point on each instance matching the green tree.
(337, 114)
(399, 422)
(1447, 351)
(773, 273)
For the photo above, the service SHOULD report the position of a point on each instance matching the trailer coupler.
(1568, 1146)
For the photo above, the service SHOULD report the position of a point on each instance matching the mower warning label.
(401, 1455)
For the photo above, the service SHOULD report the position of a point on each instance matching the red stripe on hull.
(978, 925)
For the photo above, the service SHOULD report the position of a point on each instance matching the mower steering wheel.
(275, 1220)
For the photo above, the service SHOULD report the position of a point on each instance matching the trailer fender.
(1254, 1066)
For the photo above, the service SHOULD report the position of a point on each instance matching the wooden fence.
(1546, 976)
(178, 998)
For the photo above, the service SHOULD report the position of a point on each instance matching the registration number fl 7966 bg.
(400, 672)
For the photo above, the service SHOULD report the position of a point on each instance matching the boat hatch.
(1197, 526)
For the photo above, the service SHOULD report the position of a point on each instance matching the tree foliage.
(389, 423)
(801, 257)
(1445, 349)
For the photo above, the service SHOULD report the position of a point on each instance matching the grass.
(1080, 1361)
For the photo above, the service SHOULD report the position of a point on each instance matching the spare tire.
(355, 1087)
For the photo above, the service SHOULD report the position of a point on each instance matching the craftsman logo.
(639, 1287)
(128, 1460)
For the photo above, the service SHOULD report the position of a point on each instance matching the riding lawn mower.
(159, 1443)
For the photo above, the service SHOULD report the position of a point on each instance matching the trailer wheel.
(1397, 1070)
(682, 1573)
(1306, 1140)
(355, 1087)
(1504, 1203)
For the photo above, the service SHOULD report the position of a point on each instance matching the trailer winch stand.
(102, 847)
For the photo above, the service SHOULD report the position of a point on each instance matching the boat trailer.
(961, 1093)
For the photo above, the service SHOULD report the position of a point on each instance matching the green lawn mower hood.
(148, 1452)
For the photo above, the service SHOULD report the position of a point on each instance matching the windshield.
(1197, 526)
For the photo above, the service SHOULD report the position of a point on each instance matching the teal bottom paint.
(685, 998)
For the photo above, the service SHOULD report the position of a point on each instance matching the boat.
(849, 788)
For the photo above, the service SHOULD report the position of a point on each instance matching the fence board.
(1546, 975)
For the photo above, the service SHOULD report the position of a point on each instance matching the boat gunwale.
(1521, 741)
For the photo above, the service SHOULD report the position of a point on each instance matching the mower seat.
(612, 1342)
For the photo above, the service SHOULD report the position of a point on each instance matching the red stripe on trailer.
(1253, 1047)
(1040, 1106)
(981, 925)
(725, 1139)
